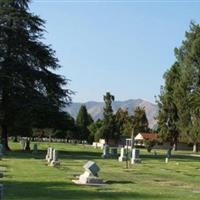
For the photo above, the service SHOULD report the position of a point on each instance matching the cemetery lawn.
(26, 177)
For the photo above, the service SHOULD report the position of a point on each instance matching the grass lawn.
(28, 178)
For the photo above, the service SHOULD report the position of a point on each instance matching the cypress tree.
(83, 121)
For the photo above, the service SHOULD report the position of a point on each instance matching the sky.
(122, 47)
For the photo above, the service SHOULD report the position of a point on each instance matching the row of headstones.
(26, 143)
(135, 154)
(109, 152)
(52, 157)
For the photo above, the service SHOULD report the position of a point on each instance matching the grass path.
(28, 178)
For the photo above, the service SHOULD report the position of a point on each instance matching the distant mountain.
(96, 108)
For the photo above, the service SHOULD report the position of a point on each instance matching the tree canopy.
(28, 85)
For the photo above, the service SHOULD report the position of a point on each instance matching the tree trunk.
(4, 137)
(194, 147)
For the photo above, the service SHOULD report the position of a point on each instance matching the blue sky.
(119, 46)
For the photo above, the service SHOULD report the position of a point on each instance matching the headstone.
(55, 161)
(50, 158)
(168, 155)
(23, 144)
(1, 191)
(113, 152)
(90, 176)
(122, 155)
(135, 157)
(35, 149)
(1, 151)
(106, 153)
(48, 153)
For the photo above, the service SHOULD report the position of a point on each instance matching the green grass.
(27, 177)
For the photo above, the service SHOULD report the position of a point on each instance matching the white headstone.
(106, 152)
(135, 157)
(90, 176)
(122, 155)
(48, 153)
(55, 161)
(50, 158)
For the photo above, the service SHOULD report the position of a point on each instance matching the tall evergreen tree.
(140, 121)
(27, 83)
(83, 121)
(108, 130)
(168, 112)
(188, 55)
(123, 122)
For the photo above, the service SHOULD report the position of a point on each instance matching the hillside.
(96, 108)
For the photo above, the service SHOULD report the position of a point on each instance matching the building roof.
(146, 136)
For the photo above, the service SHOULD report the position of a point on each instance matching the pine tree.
(108, 130)
(188, 55)
(27, 83)
(83, 121)
(168, 112)
(140, 121)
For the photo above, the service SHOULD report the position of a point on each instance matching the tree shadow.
(86, 155)
(64, 190)
(181, 158)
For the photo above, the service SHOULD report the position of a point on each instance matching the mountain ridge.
(95, 108)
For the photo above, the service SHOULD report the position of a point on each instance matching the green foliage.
(83, 121)
(108, 131)
(179, 100)
(122, 120)
(140, 121)
(28, 86)
(94, 131)
(168, 112)
(149, 144)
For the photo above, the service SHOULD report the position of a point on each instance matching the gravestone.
(55, 161)
(90, 176)
(50, 158)
(48, 153)
(1, 151)
(1, 191)
(168, 155)
(135, 157)
(23, 144)
(113, 152)
(106, 152)
(122, 155)
(35, 149)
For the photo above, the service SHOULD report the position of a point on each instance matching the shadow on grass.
(87, 155)
(63, 191)
(182, 158)
(20, 154)
(119, 182)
